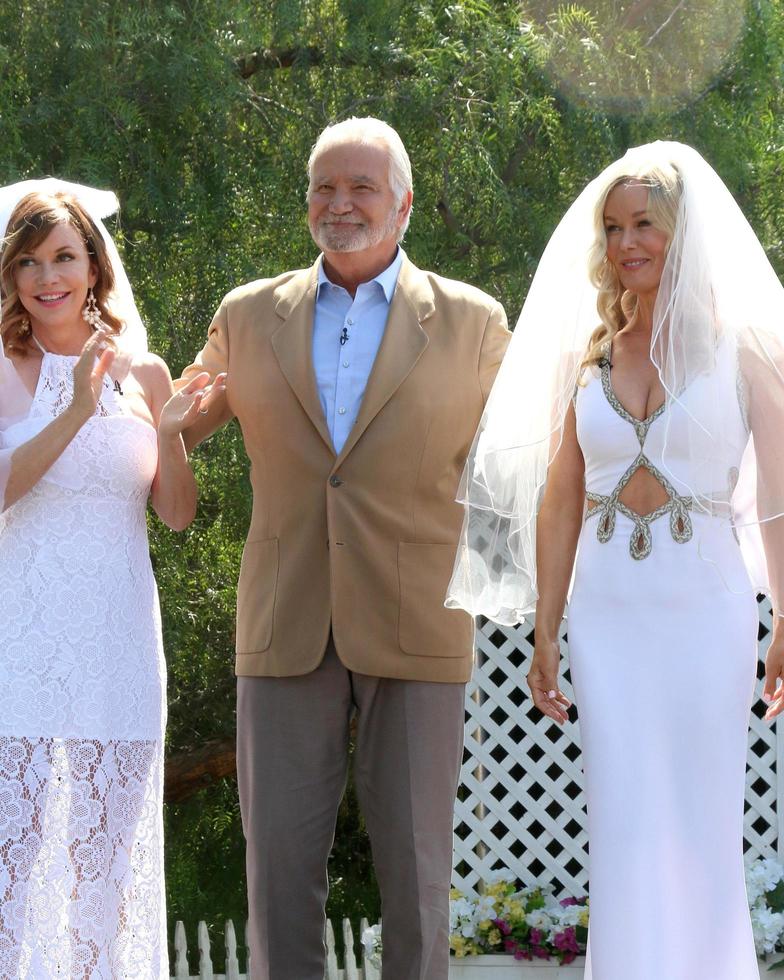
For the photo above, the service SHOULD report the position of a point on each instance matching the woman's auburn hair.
(615, 305)
(30, 223)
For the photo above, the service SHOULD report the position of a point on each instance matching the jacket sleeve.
(494, 343)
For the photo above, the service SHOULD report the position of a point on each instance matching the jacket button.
(335, 481)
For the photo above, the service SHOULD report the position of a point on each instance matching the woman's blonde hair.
(30, 223)
(616, 306)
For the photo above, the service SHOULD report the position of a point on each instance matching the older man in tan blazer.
(358, 384)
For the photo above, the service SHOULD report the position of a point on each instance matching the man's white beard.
(358, 240)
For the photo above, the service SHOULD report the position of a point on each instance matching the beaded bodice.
(616, 446)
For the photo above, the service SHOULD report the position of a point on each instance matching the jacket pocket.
(256, 595)
(425, 627)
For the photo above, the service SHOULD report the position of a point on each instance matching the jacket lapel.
(292, 343)
(402, 345)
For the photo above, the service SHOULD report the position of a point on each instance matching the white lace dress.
(82, 706)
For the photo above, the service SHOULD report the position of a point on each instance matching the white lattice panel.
(521, 805)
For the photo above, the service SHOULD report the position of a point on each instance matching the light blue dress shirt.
(342, 370)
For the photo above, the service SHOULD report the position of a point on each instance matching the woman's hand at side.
(557, 530)
(773, 691)
(543, 681)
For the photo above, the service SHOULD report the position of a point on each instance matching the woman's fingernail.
(551, 694)
(766, 697)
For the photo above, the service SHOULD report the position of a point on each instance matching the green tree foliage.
(201, 115)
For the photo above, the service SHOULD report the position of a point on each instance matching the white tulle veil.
(719, 299)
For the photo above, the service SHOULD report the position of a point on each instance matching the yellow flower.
(498, 889)
(462, 946)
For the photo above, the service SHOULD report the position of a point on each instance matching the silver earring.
(91, 312)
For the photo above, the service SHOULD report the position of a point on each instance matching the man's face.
(351, 207)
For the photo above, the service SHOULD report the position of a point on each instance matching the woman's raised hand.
(185, 405)
(88, 374)
(543, 681)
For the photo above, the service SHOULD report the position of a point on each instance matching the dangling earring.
(91, 312)
(24, 326)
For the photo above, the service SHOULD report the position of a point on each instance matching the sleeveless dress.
(82, 705)
(662, 644)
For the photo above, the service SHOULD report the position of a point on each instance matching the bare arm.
(174, 493)
(764, 379)
(212, 360)
(33, 459)
(557, 530)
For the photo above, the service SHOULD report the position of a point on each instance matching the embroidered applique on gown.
(82, 706)
(663, 650)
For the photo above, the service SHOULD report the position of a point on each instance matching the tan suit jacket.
(362, 541)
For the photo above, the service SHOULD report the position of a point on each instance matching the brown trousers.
(292, 761)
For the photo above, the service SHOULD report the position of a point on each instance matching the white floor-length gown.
(82, 709)
(662, 632)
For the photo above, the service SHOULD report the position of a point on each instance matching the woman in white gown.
(82, 676)
(619, 431)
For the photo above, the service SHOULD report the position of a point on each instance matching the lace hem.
(81, 875)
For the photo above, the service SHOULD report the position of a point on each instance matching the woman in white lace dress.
(82, 676)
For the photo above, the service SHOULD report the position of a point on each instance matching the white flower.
(460, 911)
(539, 919)
(503, 876)
(767, 926)
(371, 940)
(485, 908)
(564, 916)
(762, 876)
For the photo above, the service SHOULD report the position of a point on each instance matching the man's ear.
(405, 206)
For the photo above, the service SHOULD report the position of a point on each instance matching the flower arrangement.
(765, 890)
(529, 923)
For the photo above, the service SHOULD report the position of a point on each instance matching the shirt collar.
(387, 279)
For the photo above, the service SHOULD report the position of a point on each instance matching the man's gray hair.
(369, 130)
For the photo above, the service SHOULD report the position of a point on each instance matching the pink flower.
(566, 941)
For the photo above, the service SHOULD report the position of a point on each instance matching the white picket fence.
(495, 967)
(352, 970)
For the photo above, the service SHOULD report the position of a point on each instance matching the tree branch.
(309, 56)
(450, 220)
(188, 772)
(265, 59)
(661, 27)
(524, 146)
